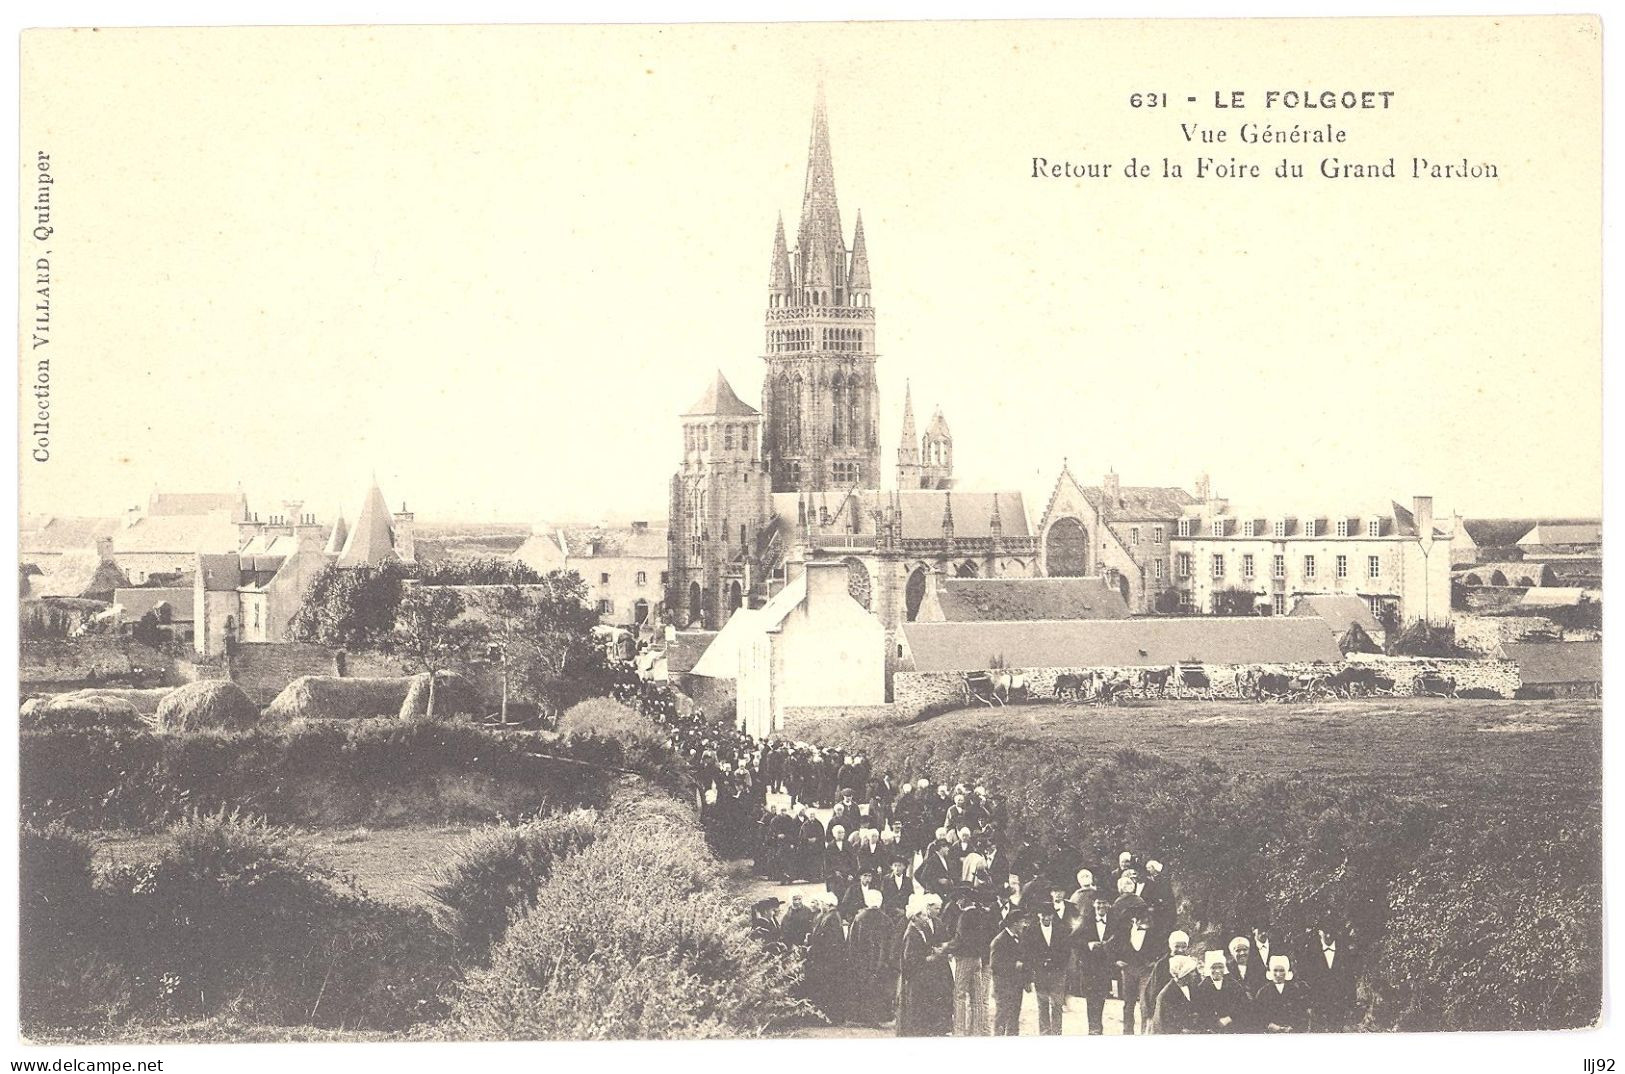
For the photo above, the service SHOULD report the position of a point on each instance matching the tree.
(480, 570)
(1424, 639)
(351, 607)
(429, 629)
(1235, 601)
(1168, 602)
(549, 651)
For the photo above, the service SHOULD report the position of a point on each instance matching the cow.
(1112, 690)
(1272, 686)
(1069, 686)
(1010, 686)
(1155, 679)
(1356, 681)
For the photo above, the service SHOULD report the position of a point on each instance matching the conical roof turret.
(859, 280)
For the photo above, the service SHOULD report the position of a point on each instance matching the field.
(1466, 752)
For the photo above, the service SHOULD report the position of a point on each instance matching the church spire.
(818, 239)
(779, 278)
(909, 435)
(908, 445)
(860, 259)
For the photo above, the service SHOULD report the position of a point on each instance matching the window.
(728, 438)
(606, 607)
(1280, 529)
(603, 579)
(1374, 566)
(1342, 566)
(1309, 527)
(1247, 528)
(1247, 566)
(643, 578)
(1133, 536)
(1218, 567)
(1376, 607)
(1158, 568)
(846, 472)
(1342, 527)
(1184, 527)
(1279, 567)
(1157, 534)
(1374, 528)
(665, 577)
(1183, 564)
(1308, 566)
(1278, 604)
(1217, 528)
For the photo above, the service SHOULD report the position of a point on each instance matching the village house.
(624, 567)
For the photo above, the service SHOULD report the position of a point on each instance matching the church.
(762, 492)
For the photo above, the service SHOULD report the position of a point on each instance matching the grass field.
(1465, 752)
(391, 864)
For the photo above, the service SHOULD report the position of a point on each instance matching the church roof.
(719, 400)
(778, 273)
(372, 541)
(921, 510)
(938, 426)
(1142, 501)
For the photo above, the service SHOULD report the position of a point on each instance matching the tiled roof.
(1339, 612)
(138, 601)
(59, 534)
(1120, 642)
(77, 574)
(214, 532)
(1553, 596)
(1135, 502)
(719, 400)
(1563, 533)
(1556, 662)
(372, 541)
(1011, 599)
(220, 572)
(197, 503)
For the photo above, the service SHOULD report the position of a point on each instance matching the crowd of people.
(937, 915)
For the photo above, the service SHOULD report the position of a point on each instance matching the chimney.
(132, 515)
(406, 545)
(1204, 489)
(827, 581)
(1111, 487)
(293, 513)
(1422, 508)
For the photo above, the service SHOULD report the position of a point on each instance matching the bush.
(323, 697)
(497, 874)
(454, 696)
(80, 712)
(208, 705)
(610, 719)
(669, 956)
(55, 912)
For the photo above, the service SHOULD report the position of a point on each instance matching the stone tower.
(719, 504)
(819, 396)
(937, 454)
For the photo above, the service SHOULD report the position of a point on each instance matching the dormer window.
(1308, 527)
(1280, 529)
(1217, 528)
(1184, 527)
(1248, 527)
(1342, 527)
(1374, 528)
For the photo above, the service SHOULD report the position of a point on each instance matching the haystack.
(208, 705)
(326, 697)
(454, 696)
(145, 701)
(82, 713)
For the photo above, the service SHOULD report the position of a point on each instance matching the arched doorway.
(857, 582)
(1122, 586)
(694, 604)
(967, 569)
(736, 596)
(1066, 549)
(914, 593)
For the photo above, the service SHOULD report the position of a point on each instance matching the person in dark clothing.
(1094, 970)
(1133, 952)
(1176, 1004)
(1047, 945)
(869, 950)
(973, 934)
(829, 977)
(1221, 1006)
(926, 1000)
(1008, 970)
(1281, 1005)
(1331, 979)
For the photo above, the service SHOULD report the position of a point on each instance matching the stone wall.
(717, 697)
(1489, 598)
(915, 693)
(1500, 676)
(1483, 634)
(263, 668)
(799, 717)
(63, 662)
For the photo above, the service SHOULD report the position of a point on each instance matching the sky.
(492, 265)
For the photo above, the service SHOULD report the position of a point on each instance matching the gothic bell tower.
(820, 402)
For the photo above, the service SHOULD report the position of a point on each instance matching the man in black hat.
(1009, 973)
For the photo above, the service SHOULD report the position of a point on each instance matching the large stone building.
(762, 492)
(624, 567)
(1393, 558)
(1119, 532)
